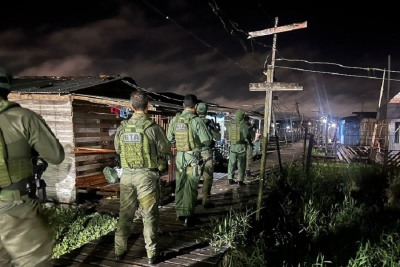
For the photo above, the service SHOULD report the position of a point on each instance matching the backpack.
(135, 147)
(234, 131)
(183, 134)
(215, 132)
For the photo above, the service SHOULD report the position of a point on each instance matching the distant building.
(357, 130)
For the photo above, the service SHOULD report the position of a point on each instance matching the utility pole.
(387, 138)
(268, 87)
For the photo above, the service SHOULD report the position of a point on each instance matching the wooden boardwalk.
(180, 245)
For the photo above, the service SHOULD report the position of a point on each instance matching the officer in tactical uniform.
(239, 137)
(190, 135)
(207, 155)
(250, 145)
(25, 237)
(144, 151)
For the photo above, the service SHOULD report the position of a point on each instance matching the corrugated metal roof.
(59, 85)
(112, 88)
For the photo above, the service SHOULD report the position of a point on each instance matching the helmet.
(201, 108)
(4, 79)
(239, 114)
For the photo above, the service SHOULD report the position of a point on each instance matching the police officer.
(239, 137)
(190, 136)
(208, 155)
(25, 237)
(144, 151)
(250, 145)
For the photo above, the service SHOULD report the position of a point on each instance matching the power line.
(234, 30)
(331, 63)
(333, 73)
(198, 38)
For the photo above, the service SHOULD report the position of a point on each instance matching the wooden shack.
(84, 113)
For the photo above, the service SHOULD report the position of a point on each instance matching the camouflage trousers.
(249, 156)
(207, 175)
(138, 188)
(26, 239)
(187, 181)
(237, 160)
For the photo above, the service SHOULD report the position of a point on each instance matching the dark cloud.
(201, 47)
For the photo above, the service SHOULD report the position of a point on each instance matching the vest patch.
(134, 138)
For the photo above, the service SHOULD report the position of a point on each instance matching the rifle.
(37, 187)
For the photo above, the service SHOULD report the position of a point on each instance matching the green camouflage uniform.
(25, 237)
(140, 186)
(249, 148)
(237, 150)
(187, 168)
(208, 158)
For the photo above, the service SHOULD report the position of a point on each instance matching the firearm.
(37, 187)
(215, 125)
(118, 160)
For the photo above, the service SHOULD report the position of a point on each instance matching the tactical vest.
(135, 146)
(234, 131)
(5, 179)
(12, 171)
(184, 134)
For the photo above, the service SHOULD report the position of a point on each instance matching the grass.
(336, 215)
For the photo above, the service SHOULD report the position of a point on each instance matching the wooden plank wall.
(77, 124)
(161, 120)
(94, 127)
(57, 112)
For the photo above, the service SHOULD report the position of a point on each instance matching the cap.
(201, 108)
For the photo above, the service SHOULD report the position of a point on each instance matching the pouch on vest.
(183, 135)
(5, 179)
(135, 147)
(234, 132)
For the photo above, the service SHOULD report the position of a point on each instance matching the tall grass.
(334, 215)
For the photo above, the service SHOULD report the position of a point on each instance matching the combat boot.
(119, 257)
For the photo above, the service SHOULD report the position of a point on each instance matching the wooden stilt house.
(84, 113)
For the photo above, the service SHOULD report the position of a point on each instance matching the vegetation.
(73, 228)
(336, 215)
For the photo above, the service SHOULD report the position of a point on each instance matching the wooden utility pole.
(268, 87)
(387, 138)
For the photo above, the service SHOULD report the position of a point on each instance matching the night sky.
(201, 47)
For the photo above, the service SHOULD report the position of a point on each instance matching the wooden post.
(305, 146)
(268, 87)
(309, 153)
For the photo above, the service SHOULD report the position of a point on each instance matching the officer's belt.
(20, 185)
